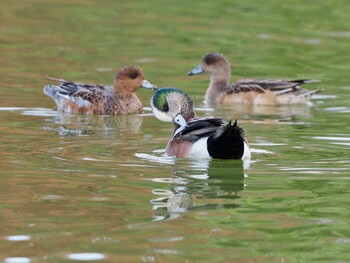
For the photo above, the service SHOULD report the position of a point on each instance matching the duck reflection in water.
(194, 186)
(102, 125)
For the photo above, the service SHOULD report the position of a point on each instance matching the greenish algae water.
(99, 188)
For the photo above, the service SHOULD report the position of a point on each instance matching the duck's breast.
(178, 148)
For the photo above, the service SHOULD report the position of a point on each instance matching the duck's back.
(209, 137)
(266, 92)
(79, 98)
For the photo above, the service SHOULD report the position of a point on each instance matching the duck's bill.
(146, 84)
(195, 71)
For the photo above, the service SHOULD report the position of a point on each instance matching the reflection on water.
(158, 157)
(338, 109)
(196, 179)
(103, 125)
(262, 114)
(280, 112)
(75, 125)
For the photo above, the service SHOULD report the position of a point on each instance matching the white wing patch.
(65, 96)
(77, 100)
(81, 102)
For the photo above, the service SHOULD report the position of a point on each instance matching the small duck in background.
(78, 98)
(197, 137)
(249, 91)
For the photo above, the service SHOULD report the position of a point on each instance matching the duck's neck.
(219, 82)
(121, 87)
(122, 93)
(187, 112)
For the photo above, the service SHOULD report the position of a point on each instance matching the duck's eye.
(133, 75)
(209, 60)
(166, 108)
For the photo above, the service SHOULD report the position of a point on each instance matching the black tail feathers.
(227, 142)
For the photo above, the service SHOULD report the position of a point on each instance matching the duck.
(248, 91)
(197, 137)
(120, 99)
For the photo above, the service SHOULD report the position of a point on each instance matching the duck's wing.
(199, 128)
(278, 87)
(82, 94)
(224, 139)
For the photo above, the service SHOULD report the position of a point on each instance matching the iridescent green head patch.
(159, 98)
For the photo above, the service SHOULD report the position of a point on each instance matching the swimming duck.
(81, 98)
(248, 91)
(197, 137)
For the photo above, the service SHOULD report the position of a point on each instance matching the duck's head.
(129, 79)
(172, 105)
(212, 63)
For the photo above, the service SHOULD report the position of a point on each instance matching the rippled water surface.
(99, 188)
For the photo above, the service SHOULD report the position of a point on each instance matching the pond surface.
(99, 188)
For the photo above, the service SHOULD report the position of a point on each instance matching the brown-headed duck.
(78, 98)
(248, 91)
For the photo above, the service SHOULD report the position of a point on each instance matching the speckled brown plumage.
(78, 98)
(248, 91)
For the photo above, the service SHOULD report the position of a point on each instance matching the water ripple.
(86, 256)
(339, 34)
(18, 238)
(329, 138)
(31, 111)
(155, 158)
(338, 109)
(17, 260)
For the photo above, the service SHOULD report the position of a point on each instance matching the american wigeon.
(81, 98)
(248, 91)
(197, 137)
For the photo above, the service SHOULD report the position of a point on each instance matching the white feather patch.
(81, 102)
(77, 100)
(162, 116)
(246, 154)
(63, 96)
(199, 149)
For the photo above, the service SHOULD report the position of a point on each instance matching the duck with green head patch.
(197, 137)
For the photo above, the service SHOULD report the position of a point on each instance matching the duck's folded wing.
(276, 86)
(200, 128)
(82, 94)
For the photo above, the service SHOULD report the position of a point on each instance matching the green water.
(101, 185)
